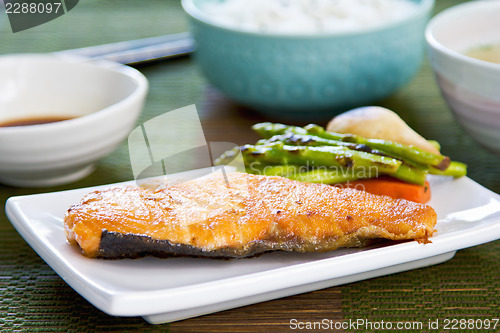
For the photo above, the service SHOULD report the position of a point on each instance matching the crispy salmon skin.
(238, 215)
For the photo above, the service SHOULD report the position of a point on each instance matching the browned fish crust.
(242, 217)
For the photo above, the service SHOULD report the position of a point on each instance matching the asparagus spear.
(267, 130)
(410, 174)
(455, 169)
(279, 153)
(333, 175)
(435, 144)
(321, 175)
(397, 150)
(259, 158)
(313, 140)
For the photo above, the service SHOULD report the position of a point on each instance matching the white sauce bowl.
(103, 98)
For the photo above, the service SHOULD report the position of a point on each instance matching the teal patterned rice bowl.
(302, 76)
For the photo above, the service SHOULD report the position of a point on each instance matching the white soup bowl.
(471, 87)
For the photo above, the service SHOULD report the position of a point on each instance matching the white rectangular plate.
(164, 290)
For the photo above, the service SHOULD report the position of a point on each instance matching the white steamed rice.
(307, 16)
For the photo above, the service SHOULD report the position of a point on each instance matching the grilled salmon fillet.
(238, 215)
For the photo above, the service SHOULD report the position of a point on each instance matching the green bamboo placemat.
(34, 298)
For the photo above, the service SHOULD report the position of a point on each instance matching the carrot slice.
(392, 187)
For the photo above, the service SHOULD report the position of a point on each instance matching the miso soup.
(489, 53)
